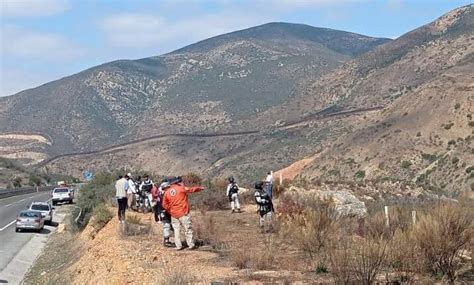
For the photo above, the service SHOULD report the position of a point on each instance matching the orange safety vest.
(175, 200)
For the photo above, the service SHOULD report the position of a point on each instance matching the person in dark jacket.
(233, 195)
(164, 215)
(264, 207)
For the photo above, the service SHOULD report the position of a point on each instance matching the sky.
(45, 40)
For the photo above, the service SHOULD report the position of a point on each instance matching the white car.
(45, 209)
(62, 195)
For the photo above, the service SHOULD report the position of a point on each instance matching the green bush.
(406, 164)
(34, 180)
(430, 157)
(448, 126)
(360, 174)
(17, 182)
(102, 216)
(457, 106)
(100, 190)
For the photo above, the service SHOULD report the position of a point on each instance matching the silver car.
(45, 209)
(29, 220)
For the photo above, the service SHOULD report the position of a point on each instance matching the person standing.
(233, 195)
(131, 191)
(156, 203)
(165, 216)
(265, 207)
(121, 187)
(175, 202)
(269, 184)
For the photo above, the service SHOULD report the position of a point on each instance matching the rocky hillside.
(424, 135)
(211, 86)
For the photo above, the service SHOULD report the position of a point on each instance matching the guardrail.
(5, 193)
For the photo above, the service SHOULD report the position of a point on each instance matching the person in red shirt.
(156, 203)
(175, 202)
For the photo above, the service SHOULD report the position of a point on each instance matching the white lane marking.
(11, 223)
(6, 206)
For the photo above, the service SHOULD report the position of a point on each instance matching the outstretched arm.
(194, 189)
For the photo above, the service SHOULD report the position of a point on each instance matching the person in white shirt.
(269, 184)
(131, 191)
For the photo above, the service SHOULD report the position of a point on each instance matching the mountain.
(212, 86)
(424, 134)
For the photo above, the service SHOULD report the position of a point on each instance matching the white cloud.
(17, 42)
(146, 30)
(32, 8)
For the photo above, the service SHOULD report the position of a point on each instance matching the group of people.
(170, 204)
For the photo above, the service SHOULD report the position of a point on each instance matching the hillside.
(214, 85)
(424, 135)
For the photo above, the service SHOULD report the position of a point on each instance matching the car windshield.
(61, 190)
(30, 215)
(40, 207)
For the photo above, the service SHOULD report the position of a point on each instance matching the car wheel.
(17, 230)
(54, 203)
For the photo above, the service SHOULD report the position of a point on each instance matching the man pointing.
(175, 202)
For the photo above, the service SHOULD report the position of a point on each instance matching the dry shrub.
(358, 258)
(101, 216)
(368, 256)
(399, 219)
(175, 276)
(440, 235)
(312, 228)
(260, 258)
(207, 233)
(192, 179)
(210, 199)
(241, 258)
(404, 257)
(289, 207)
(134, 227)
(339, 257)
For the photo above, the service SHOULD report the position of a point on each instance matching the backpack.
(234, 189)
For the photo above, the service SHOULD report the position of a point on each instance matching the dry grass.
(133, 226)
(312, 229)
(441, 235)
(208, 232)
(175, 276)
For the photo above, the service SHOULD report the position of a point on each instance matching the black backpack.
(234, 189)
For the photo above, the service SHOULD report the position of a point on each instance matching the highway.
(10, 241)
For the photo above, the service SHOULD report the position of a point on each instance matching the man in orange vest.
(175, 202)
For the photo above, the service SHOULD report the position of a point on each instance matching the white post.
(387, 221)
(413, 216)
(37, 190)
(281, 178)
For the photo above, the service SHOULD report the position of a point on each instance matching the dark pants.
(122, 206)
(157, 212)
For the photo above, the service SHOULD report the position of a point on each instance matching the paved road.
(10, 241)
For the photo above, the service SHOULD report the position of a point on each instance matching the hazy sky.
(44, 40)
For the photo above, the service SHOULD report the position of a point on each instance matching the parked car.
(29, 220)
(62, 195)
(45, 209)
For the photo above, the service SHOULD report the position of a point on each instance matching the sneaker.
(238, 211)
(180, 248)
(193, 247)
(233, 211)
